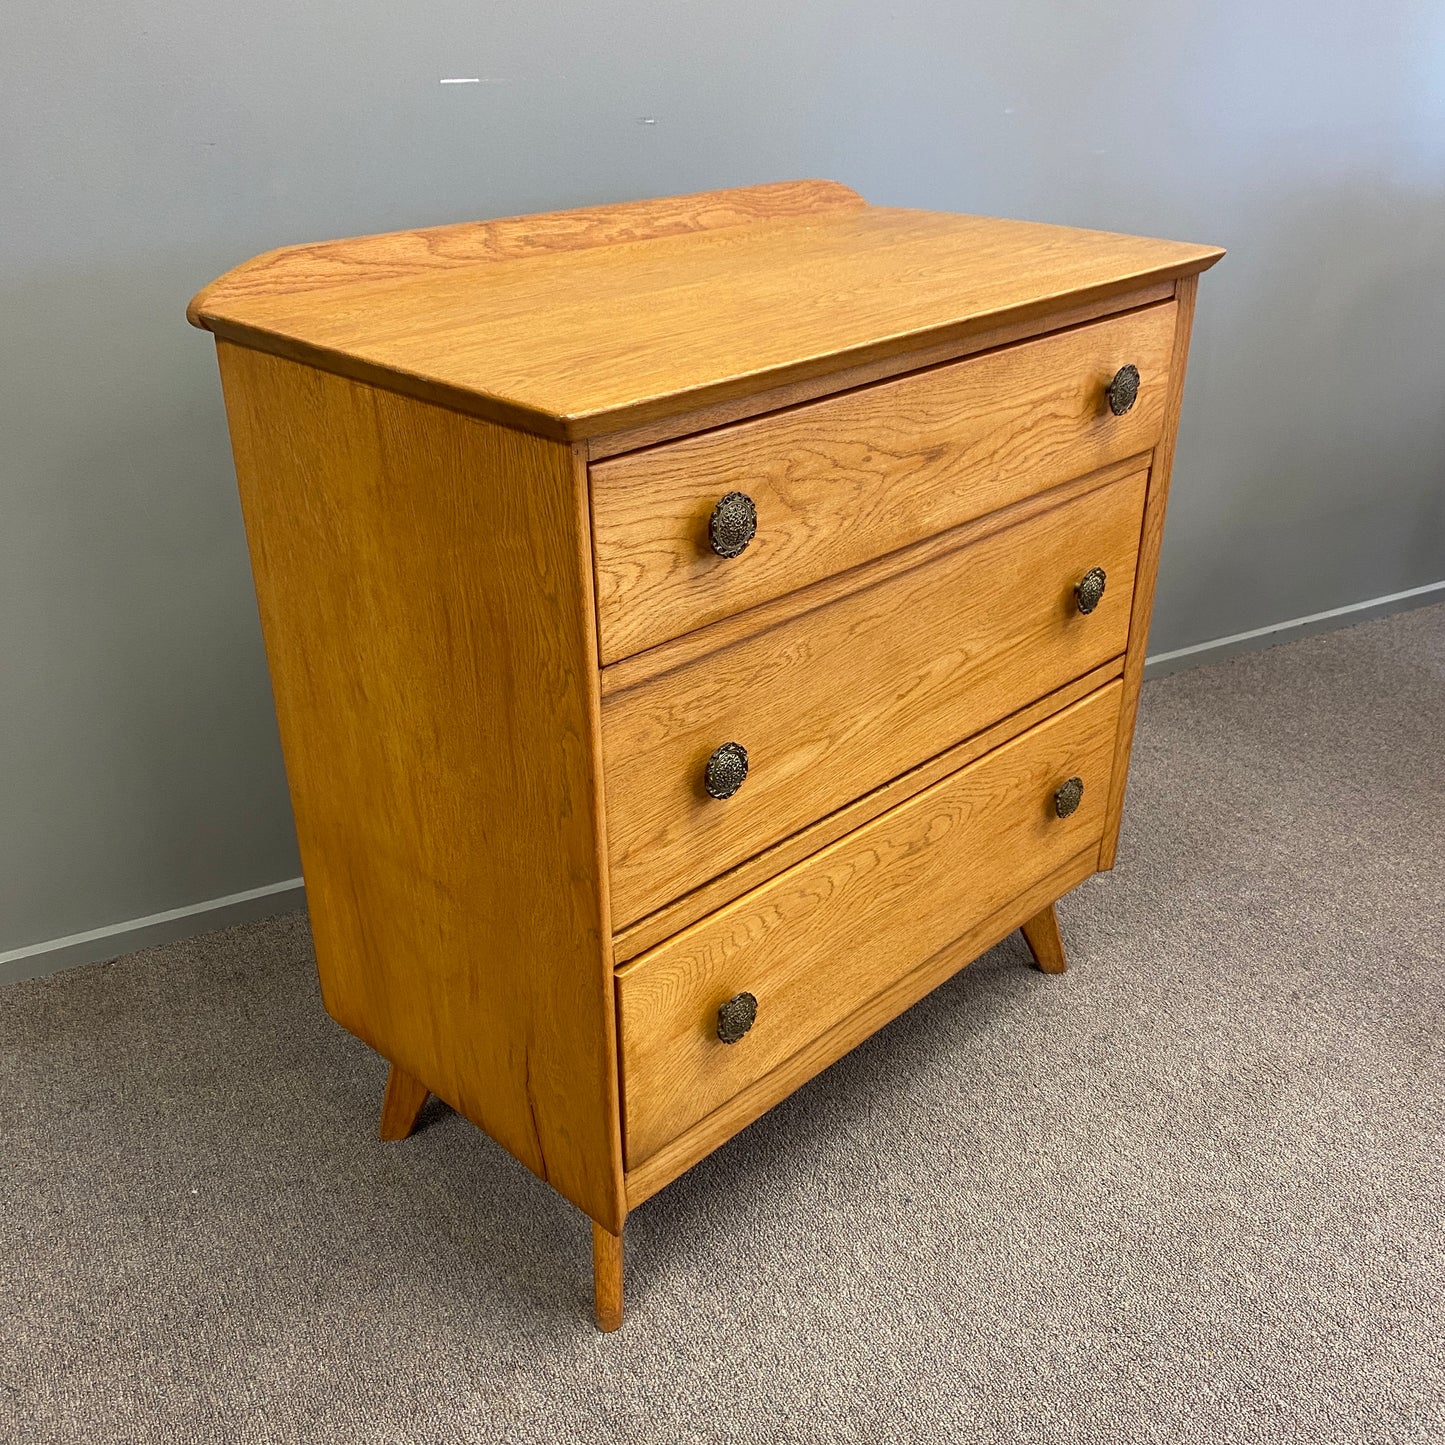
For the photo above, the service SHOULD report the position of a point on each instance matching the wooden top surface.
(585, 322)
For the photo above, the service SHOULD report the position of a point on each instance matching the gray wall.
(150, 144)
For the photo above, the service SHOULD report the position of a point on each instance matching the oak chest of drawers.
(698, 627)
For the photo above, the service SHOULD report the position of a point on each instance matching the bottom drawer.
(818, 941)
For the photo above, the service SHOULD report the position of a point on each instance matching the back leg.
(403, 1102)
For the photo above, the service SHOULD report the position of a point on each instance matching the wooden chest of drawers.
(698, 627)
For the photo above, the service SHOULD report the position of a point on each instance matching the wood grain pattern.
(835, 702)
(611, 444)
(425, 597)
(814, 944)
(1046, 943)
(404, 1099)
(656, 662)
(741, 1109)
(571, 344)
(327, 265)
(674, 916)
(1150, 539)
(839, 482)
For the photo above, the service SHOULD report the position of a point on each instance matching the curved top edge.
(396, 254)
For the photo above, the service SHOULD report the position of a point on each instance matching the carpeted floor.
(1192, 1191)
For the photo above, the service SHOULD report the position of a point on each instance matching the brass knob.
(726, 771)
(736, 1017)
(1123, 391)
(1068, 797)
(733, 524)
(1089, 589)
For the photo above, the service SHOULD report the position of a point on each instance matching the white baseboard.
(99, 944)
(1257, 637)
(103, 943)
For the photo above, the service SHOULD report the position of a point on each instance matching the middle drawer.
(837, 700)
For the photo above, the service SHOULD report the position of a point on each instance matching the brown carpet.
(1192, 1191)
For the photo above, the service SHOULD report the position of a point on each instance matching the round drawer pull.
(733, 524)
(1090, 589)
(1123, 391)
(727, 770)
(1068, 797)
(736, 1017)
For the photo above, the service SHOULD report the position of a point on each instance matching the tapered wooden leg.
(607, 1278)
(403, 1102)
(1041, 933)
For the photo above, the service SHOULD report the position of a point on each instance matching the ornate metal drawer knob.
(733, 524)
(1068, 797)
(727, 770)
(1124, 389)
(1089, 590)
(736, 1017)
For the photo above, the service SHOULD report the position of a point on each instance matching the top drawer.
(837, 482)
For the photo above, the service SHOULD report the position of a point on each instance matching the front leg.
(607, 1277)
(1041, 933)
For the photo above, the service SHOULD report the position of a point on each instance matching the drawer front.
(838, 482)
(838, 700)
(816, 943)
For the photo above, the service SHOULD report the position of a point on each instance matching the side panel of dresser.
(1147, 570)
(425, 590)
